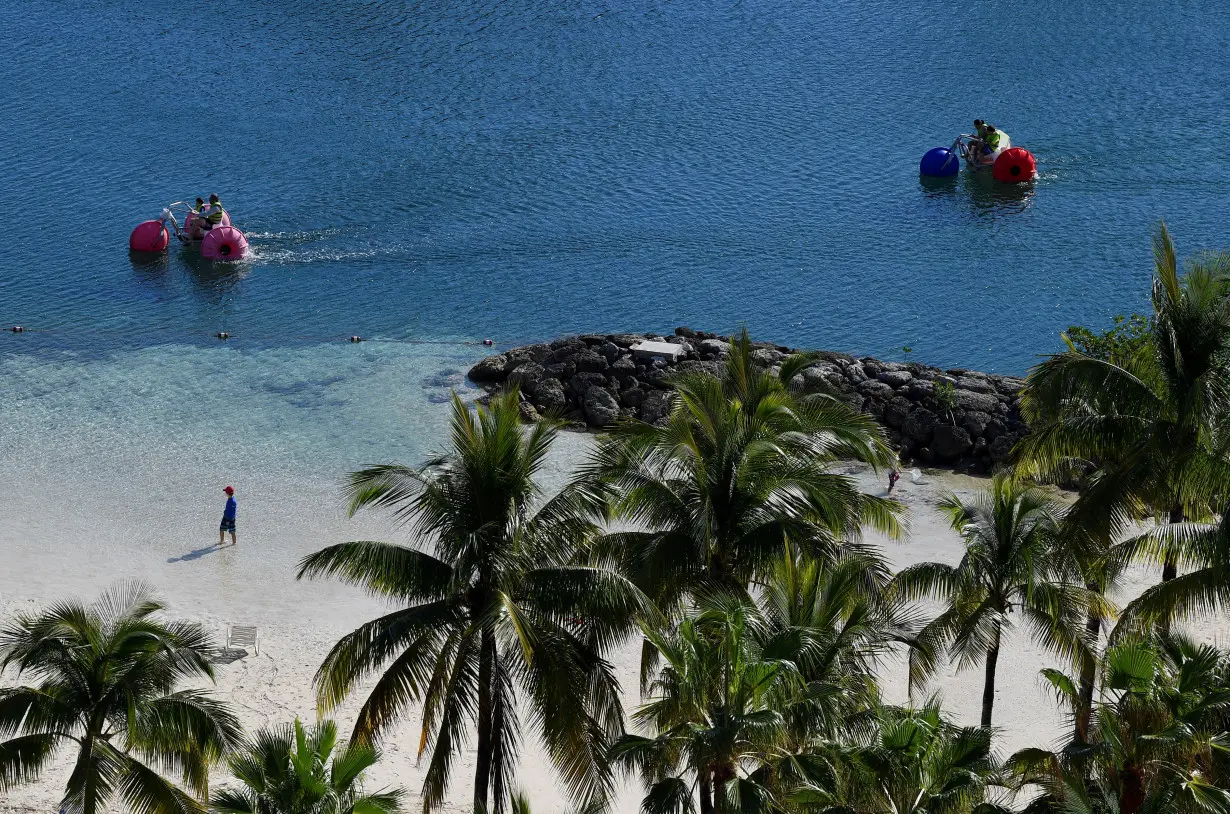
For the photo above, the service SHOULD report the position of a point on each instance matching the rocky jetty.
(959, 418)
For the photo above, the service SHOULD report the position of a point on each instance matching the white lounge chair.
(243, 636)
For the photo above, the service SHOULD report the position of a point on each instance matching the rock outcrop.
(959, 418)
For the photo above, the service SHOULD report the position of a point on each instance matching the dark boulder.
(656, 407)
(895, 378)
(816, 379)
(977, 384)
(1001, 448)
(767, 357)
(714, 369)
(600, 407)
(975, 423)
(549, 396)
(528, 414)
(873, 389)
(1008, 385)
(920, 425)
(626, 382)
(610, 351)
(530, 353)
(872, 367)
(527, 376)
(949, 442)
(582, 382)
(981, 402)
(897, 412)
(566, 349)
(491, 369)
(656, 377)
(560, 370)
(588, 361)
(632, 397)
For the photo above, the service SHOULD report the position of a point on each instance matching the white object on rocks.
(649, 349)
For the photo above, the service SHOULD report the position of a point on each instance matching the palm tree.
(836, 624)
(1160, 739)
(1099, 563)
(740, 469)
(916, 762)
(1205, 588)
(106, 678)
(295, 770)
(713, 715)
(1010, 565)
(1154, 415)
(493, 612)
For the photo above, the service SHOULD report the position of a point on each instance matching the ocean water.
(429, 174)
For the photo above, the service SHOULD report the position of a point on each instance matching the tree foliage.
(742, 468)
(496, 626)
(293, 769)
(106, 683)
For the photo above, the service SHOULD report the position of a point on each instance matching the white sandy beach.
(162, 532)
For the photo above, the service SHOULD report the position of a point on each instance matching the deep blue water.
(522, 169)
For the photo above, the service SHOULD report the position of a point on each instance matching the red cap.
(230, 490)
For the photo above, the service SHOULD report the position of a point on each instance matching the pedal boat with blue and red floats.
(1008, 164)
(222, 242)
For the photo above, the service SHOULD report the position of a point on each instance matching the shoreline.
(958, 419)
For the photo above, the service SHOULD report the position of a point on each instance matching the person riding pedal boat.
(988, 140)
(195, 213)
(213, 216)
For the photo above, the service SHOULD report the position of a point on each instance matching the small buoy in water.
(356, 338)
(488, 342)
(223, 335)
(17, 329)
(1014, 165)
(939, 162)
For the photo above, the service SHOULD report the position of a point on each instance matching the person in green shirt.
(211, 217)
(989, 139)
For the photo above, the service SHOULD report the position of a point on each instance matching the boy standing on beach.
(228, 516)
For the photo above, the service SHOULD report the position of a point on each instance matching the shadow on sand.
(196, 555)
(228, 655)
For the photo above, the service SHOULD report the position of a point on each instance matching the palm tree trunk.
(1131, 790)
(89, 787)
(706, 792)
(1170, 568)
(482, 768)
(1089, 666)
(988, 689)
(721, 776)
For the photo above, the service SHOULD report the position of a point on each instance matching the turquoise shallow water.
(456, 170)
